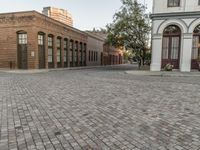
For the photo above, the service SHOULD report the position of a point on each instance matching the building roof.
(44, 16)
(91, 34)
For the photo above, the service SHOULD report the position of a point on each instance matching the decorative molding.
(16, 19)
(175, 15)
(179, 22)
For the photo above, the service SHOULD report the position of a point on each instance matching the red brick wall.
(112, 55)
(32, 23)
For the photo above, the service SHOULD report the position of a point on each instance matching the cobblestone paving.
(98, 109)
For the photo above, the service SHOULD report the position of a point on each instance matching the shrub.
(168, 67)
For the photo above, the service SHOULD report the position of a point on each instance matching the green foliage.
(148, 58)
(127, 55)
(130, 28)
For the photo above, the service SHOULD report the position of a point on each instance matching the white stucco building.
(175, 34)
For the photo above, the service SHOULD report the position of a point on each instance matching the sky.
(86, 14)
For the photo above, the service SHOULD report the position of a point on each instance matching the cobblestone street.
(98, 109)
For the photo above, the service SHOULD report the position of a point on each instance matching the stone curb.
(49, 70)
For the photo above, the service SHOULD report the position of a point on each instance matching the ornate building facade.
(175, 34)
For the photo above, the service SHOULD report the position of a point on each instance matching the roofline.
(74, 29)
(36, 12)
(18, 12)
(94, 36)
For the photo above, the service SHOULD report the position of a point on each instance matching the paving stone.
(99, 109)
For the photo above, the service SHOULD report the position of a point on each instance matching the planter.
(198, 62)
(168, 67)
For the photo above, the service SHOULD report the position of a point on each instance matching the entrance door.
(171, 47)
(101, 58)
(195, 48)
(65, 52)
(41, 57)
(22, 51)
(41, 49)
(22, 56)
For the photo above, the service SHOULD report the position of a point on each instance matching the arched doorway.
(41, 49)
(59, 55)
(50, 51)
(195, 47)
(171, 46)
(22, 57)
(65, 52)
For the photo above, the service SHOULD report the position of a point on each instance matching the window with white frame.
(50, 49)
(22, 38)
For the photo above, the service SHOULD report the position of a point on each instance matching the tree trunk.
(144, 56)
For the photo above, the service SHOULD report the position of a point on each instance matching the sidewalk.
(30, 71)
(164, 73)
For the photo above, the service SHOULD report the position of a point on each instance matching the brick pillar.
(32, 50)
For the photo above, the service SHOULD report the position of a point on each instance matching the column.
(156, 52)
(186, 52)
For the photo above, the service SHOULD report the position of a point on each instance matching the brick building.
(94, 49)
(112, 55)
(32, 40)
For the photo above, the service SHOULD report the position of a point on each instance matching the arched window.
(76, 53)
(171, 46)
(50, 51)
(80, 53)
(196, 42)
(195, 46)
(65, 52)
(22, 37)
(58, 44)
(84, 54)
(197, 30)
(71, 47)
(22, 57)
(172, 30)
(41, 38)
(41, 49)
